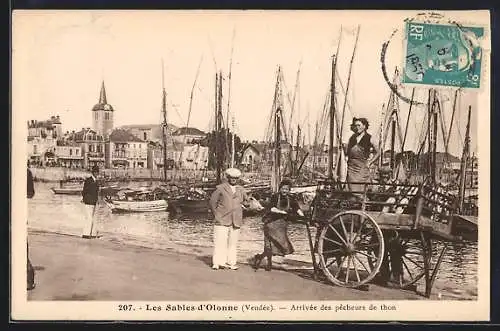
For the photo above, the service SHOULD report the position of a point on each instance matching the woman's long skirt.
(276, 241)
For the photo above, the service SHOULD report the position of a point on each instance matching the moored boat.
(118, 206)
(67, 190)
(137, 201)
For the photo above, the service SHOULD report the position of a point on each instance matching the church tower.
(102, 115)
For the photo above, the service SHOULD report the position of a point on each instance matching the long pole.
(165, 124)
(332, 120)
(434, 137)
(348, 84)
(463, 164)
(232, 143)
(452, 118)
(219, 126)
(393, 138)
(190, 107)
(216, 131)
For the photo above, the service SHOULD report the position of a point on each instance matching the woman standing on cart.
(282, 209)
(359, 149)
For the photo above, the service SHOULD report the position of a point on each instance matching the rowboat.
(67, 190)
(118, 206)
(137, 201)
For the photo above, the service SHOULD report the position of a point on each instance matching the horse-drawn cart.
(395, 233)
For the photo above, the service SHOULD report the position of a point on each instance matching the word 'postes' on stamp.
(446, 55)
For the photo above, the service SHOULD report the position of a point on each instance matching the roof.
(103, 101)
(188, 131)
(86, 134)
(48, 124)
(155, 129)
(121, 135)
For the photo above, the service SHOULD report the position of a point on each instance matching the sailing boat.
(144, 200)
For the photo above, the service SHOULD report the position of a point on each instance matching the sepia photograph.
(250, 165)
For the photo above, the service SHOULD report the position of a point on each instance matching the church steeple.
(102, 96)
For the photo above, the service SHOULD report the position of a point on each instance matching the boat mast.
(434, 137)
(216, 130)
(463, 164)
(228, 113)
(393, 138)
(332, 120)
(165, 124)
(218, 123)
(277, 134)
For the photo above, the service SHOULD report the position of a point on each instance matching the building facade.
(125, 150)
(69, 155)
(92, 147)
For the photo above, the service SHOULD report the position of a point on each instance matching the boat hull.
(67, 191)
(137, 206)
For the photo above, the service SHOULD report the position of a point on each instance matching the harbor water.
(63, 214)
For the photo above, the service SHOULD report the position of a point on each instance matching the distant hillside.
(155, 128)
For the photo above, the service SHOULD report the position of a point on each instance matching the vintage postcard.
(250, 165)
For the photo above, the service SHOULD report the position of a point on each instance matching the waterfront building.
(125, 150)
(92, 147)
(69, 154)
(42, 138)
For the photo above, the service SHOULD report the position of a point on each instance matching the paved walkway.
(71, 268)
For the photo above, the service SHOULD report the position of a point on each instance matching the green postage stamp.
(445, 55)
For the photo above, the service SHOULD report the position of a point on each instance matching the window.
(76, 151)
(70, 151)
(140, 145)
(145, 136)
(96, 115)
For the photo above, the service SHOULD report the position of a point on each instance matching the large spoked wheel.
(351, 249)
(403, 263)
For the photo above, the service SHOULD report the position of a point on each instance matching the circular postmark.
(448, 54)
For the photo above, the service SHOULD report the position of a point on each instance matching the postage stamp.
(443, 55)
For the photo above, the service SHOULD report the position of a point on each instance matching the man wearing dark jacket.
(31, 271)
(90, 194)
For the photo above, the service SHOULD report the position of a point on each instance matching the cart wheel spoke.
(348, 270)
(355, 269)
(333, 241)
(362, 264)
(368, 245)
(407, 269)
(415, 263)
(338, 234)
(351, 232)
(332, 251)
(370, 257)
(340, 267)
(344, 229)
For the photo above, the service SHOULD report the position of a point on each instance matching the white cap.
(233, 172)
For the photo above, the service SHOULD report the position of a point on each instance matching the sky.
(60, 59)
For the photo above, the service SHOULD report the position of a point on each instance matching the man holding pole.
(90, 194)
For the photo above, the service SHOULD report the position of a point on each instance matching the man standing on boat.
(90, 194)
(226, 205)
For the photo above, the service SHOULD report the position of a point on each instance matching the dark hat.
(384, 170)
(286, 182)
